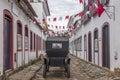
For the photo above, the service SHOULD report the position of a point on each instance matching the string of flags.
(50, 19)
(99, 9)
(58, 18)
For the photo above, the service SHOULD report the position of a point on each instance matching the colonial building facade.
(96, 38)
(22, 40)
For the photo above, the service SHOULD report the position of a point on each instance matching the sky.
(62, 8)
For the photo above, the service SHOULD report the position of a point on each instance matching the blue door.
(7, 44)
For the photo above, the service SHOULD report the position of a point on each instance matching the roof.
(30, 7)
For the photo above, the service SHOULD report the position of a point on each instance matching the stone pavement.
(27, 73)
(80, 70)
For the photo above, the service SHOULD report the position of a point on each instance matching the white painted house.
(97, 38)
(22, 40)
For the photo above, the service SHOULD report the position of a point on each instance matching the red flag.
(34, 19)
(48, 25)
(54, 19)
(56, 27)
(43, 20)
(100, 9)
(91, 3)
(80, 1)
(80, 14)
(63, 27)
(66, 17)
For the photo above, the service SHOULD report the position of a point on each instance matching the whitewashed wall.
(18, 14)
(97, 22)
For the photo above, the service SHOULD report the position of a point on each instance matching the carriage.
(57, 49)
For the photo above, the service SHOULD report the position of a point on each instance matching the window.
(57, 45)
(19, 28)
(26, 38)
(40, 43)
(80, 43)
(96, 40)
(34, 41)
(26, 31)
(85, 42)
(31, 41)
(19, 35)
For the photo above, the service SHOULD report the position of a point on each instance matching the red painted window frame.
(26, 30)
(19, 22)
(26, 35)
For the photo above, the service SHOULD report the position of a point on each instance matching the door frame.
(89, 55)
(37, 46)
(26, 35)
(106, 23)
(96, 29)
(5, 14)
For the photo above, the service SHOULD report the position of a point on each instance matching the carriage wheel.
(68, 70)
(44, 71)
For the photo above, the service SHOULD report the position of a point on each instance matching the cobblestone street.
(80, 70)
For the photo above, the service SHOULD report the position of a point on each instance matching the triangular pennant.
(100, 9)
(66, 17)
(54, 19)
(80, 1)
(80, 14)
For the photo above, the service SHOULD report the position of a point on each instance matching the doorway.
(105, 47)
(8, 41)
(89, 47)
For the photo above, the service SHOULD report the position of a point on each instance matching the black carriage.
(57, 49)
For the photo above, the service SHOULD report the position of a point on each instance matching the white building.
(96, 38)
(21, 39)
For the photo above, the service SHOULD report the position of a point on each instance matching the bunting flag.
(45, 26)
(48, 25)
(100, 9)
(52, 26)
(63, 27)
(59, 27)
(54, 19)
(80, 1)
(56, 27)
(60, 18)
(43, 20)
(91, 3)
(34, 19)
(49, 19)
(80, 14)
(66, 17)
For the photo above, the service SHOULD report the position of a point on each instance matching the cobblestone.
(26, 73)
(80, 70)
